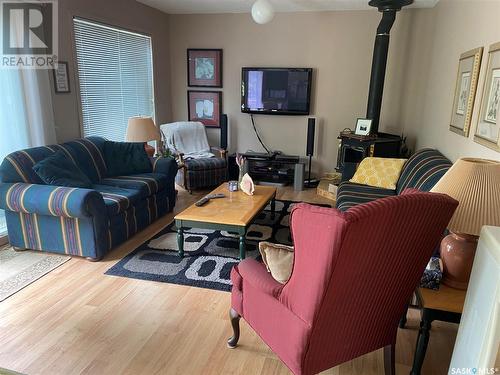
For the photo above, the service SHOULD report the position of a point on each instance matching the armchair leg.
(389, 359)
(235, 322)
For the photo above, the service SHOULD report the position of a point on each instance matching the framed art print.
(469, 65)
(363, 126)
(61, 79)
(204, 67)
(205, 107)
(488, 124)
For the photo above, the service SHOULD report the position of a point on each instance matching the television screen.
(276, 91)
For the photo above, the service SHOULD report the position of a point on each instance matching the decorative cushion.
(58, 170)
(379, 172)
(278, 260)
(126, 158)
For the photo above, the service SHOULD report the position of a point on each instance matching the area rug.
(19, 269)
(209, 254)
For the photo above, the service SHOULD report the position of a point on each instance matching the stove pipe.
(389, 8)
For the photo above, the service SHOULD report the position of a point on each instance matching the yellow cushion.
(379, 172)
(278, 260)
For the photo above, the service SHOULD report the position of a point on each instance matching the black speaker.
(223, 132)
(311, 127)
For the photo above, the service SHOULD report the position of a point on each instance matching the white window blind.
(115, 71)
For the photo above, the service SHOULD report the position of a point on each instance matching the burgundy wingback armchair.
(353, 275)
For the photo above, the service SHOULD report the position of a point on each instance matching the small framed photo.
(204, 67)
(363, 126)
(205, 107)
(61, 79)
(488, 124)
(465, 91)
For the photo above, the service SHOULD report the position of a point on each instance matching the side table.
(445, 304)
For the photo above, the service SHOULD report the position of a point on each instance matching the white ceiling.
(242, 6)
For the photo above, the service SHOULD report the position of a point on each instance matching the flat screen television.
(276, 91)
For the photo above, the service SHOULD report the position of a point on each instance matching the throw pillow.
(278, 260)
(58, 170)
(379, 172)
(126, 158)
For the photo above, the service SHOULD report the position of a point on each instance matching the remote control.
(205, 199)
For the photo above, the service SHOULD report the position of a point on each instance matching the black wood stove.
(353, 149)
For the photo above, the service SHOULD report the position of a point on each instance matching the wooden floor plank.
(77, 320)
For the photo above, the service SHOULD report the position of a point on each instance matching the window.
(115, 70)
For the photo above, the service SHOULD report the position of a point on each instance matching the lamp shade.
(142, 129)
(262, 11)
(475, 184)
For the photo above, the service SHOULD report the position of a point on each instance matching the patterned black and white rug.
(209, 254)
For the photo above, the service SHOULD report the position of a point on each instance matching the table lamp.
(475, 184)
(143, 129)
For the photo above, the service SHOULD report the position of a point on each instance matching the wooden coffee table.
(233, 213)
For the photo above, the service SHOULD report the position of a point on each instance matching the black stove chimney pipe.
(380, 51)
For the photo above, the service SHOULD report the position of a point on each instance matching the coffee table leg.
(180, 241)
(242, 246)
(273, 207)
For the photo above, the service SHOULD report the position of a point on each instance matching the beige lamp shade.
(142, 129)
(475, 184)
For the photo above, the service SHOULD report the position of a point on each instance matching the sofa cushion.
(126, 158)
(423, 170)
(58, 170)
(205, 163)
(117, 199)
(87, 153)
(378, 172)
(147, 183)
(350, 194)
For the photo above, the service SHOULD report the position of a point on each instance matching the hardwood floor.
(76, 320)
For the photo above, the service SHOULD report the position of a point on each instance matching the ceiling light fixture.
(262, 11)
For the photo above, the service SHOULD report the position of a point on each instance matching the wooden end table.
(446, 305)
(233, 213)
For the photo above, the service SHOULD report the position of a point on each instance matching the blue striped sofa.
(76, 221)
(421, 171)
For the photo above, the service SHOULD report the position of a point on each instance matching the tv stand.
(274, 168)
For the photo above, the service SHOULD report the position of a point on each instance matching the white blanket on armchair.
(188, 137)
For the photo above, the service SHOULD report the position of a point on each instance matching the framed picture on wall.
(469, 65)
(488, 124)
(204, 67)
(61, 79)
(206, 107)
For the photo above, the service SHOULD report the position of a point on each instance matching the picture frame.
(61, 78)
(204, 67)
(488, 125)
(205, 107)
(469, 65)
(363, 126)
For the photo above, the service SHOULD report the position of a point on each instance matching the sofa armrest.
(51, 200)
(165, 165)
(219, 152)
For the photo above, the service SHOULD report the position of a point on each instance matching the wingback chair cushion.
(340, 301)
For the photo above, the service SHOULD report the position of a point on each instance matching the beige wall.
(439, 36)
(338, 45)
(130, 15)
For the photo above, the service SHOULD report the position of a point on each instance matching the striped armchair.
(77, 221)
(421, 171)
